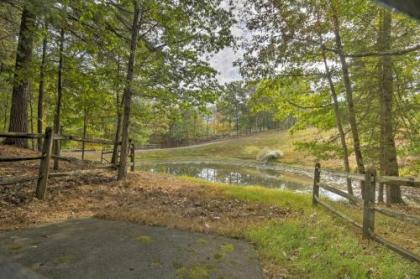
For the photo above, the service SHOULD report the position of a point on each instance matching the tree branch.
(395, 52)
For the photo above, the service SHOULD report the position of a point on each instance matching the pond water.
(240, 175)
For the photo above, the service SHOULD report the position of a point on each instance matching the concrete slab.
(94, 248)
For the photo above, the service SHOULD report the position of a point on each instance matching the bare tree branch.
(378, 53)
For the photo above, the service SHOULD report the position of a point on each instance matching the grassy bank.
(246, 147)
(313, 244)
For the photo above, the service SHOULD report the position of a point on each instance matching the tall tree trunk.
(381, 143)
(19, 109)
(349, 93)
(128, 92)
(84, 132)
(41, 89)
(57, 116)
(237, 120)
(117, 139)
(389, 164)
(338, 121)
(194, 126)
(31, 114)
(6, 112)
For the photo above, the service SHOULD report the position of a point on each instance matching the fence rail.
(16, 180)
(21, 135)
(369, 208)
(17, 159)
(341, 193)
(47, 155)
(85, 140)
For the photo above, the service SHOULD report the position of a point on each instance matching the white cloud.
(223, 63)
(223, 60)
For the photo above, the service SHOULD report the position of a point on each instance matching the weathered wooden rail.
(369, 208)
(42, 177)
(132, 155)
(46, 156)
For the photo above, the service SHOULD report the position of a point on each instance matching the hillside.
(246, 148)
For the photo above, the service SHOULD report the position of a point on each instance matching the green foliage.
(320, 150)
(283, 53)
(170, 72)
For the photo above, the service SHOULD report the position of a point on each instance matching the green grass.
(320, 249)
(317, 245)
(313, 243)
(280, 198)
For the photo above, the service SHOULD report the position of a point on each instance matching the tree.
(41, 89)
(283, 46)
(233, 104)
(348, 90)
(57, 115)
(296, 49)
(128, 92)
(177, 33)
(20, 95)
(388, 162)
(338, 120)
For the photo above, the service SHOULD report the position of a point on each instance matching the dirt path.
(187, 146)
(93, 248)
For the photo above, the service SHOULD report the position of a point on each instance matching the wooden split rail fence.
(367, 204)
(47, 154)
(132, 155)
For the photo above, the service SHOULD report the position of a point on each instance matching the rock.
(266, 155)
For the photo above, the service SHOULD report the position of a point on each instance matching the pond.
(241, 175)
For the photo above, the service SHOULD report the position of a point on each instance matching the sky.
(223, 63)
(223, 60)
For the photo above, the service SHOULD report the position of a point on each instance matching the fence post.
(369, 202)
(83, 149)
(317, 178)
(133, 156)
(102, 155)
(44, 165)
(57, 149)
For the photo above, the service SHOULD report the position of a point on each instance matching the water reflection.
(238, 175)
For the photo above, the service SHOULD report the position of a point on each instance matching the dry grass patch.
(188, 205)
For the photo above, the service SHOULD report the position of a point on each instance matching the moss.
(202, 241)
(194, 272)
(218, 256)
(145, 239)
(156, 264)
(15, 248)
(224, 249)
(63, 259)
